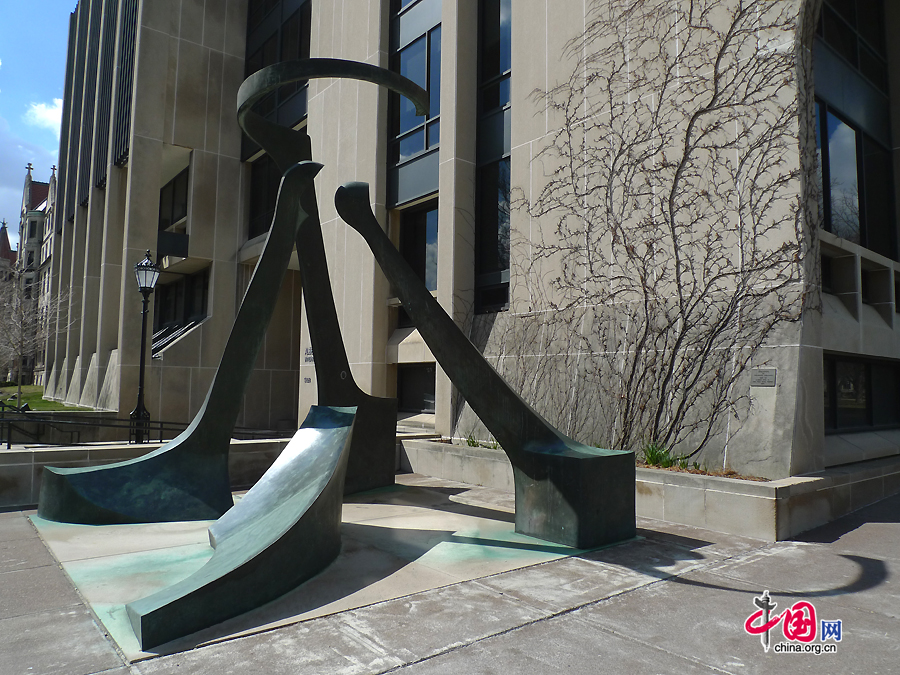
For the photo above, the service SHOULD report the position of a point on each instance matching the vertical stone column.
(91, 297)
(110, 286)
(55, 338)
(76, 299)
(456, 206)
(62, 267)
(347, 126)
(141, 208)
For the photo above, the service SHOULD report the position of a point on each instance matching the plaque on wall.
(762, 377)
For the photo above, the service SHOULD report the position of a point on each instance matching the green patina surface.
(566, 492)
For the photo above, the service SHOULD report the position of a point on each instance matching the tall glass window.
(493, 185)
(278, 30)
(856, 183)
(413, 139)
(418, 242)
(853, 137)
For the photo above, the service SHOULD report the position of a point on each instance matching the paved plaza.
(432, 579)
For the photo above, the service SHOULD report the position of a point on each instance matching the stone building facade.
(152, 158)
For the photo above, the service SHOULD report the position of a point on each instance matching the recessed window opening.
(860, 394)
(179, 306)
(173, 201)
(415, 387)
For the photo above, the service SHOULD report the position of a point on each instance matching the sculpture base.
(576, 500)
(373, 450)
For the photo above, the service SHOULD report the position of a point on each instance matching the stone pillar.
(456, 205)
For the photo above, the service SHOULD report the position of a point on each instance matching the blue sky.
(33, 39)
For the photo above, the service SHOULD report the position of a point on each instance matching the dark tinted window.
(277, 30)
(855, 30)
(852, 394)
(860, 394)
(413, 139)
(843, 178)
(492, 224)
(419, 243)
(856, 181)
(173, 201)
(415, 387)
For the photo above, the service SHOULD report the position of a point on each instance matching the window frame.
(823, 109)
(431, 121)
(493, 282)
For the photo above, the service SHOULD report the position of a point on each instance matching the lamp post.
(146, 273)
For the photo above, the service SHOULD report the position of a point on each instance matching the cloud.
(45, 116)
(16, 153)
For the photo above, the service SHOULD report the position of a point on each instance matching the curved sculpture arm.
(268, 79)
(515, 425)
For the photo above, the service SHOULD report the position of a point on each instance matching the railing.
(11, 422)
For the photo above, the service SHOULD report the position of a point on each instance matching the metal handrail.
(165, 428)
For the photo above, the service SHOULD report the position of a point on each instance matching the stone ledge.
(773, 510)
(473, 465)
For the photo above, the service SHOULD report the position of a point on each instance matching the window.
(414, 140)
(419, 61)
(173, 203)
(419, 246)
(178, 307)
(853, 125)
(257, 10)
(856, 195)
(278, 30)
(265, 178)
(492, 244)
(854, 29)
(860, 394)
(418, 242)
(172, 238)
(415, 387)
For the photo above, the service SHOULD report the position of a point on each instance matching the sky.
(33, 37)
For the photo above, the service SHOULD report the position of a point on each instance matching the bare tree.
(676, 229)
(25, 324)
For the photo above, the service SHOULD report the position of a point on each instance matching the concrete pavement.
(674, 600)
